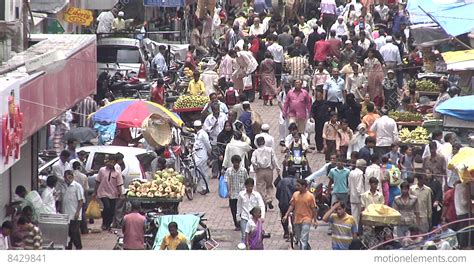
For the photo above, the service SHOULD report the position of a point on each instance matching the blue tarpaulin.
(164, 3)
(456, 21)
(431, 6)
(461, 108)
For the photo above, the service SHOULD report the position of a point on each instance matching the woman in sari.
(254, 230)
(268, 80)
(375, 75)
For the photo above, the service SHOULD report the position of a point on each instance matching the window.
(99, 160)
(118, 54)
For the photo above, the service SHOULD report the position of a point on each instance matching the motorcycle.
(323, 198)
(296, 158)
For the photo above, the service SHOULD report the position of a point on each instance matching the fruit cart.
(168, 206)
(189, 115)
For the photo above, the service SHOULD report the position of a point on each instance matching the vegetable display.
(426, 85)
(166, 184)
(419, 135)
(405, 116)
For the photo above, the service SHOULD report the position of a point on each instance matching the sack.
(310, 126)
(395, 176)
(93, 210)
(223, 192)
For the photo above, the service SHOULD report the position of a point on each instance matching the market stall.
(190, 108)
(459, 117)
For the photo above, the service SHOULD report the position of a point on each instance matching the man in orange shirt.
(303, 204)
(370, 118)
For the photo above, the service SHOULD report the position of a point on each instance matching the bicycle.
(192, 176)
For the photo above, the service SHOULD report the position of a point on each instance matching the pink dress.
(268, 80)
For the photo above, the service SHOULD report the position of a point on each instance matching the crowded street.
(237, 125)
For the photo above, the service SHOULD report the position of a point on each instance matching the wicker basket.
(156, 131)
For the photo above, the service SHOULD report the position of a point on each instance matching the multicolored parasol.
(130, 113)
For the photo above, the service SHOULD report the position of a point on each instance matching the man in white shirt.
(390, 54)
(383, 11)
(269, 140)
(264, 162)
(202, 150)
(374, 170)
(105, 21)
(59, 168)
(213, 125)
(72, 202)
(158, 64)
(386, 132)
(381, 40)
(237, 146)
(278, 55)
(356, 188)
(283, 123)
(248, 199)
(209, 77)
(437, 137)
(49, 195)
(340, 27)
(357, 84)
(256, 29)
(119, 22)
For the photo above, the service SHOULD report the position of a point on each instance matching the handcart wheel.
(189, 193)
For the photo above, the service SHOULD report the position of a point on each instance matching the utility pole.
(24, 18)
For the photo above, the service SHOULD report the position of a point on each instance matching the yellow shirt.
(171, 243)
(196, 88)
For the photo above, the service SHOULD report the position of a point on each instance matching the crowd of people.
(357, 51)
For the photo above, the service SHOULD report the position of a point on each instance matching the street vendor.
(173, 239)
(196, 87)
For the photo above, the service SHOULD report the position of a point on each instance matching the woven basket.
(156, 131)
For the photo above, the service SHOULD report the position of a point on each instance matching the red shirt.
(321, 51)
(133, 231)
(449, 205)
(158, 95)
(334, 47)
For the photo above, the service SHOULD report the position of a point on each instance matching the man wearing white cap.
(390, 54)
(340, 27)
(269, 140)
(119, 22)
(202, 148)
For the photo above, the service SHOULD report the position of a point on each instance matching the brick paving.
(218, 214)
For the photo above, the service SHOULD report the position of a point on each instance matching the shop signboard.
(11, 130)
(79, 16)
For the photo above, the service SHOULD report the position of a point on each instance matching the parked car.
(121, 54)
(137, 162)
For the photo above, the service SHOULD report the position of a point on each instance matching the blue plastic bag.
(223, 188)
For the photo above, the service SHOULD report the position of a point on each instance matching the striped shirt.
(85, 108)
(342, 231)
(235, 180)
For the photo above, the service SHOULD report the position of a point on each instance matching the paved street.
(218, 212)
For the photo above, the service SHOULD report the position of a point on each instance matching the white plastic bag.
(310, 126)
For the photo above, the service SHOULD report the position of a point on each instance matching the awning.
(431, 6)
(456, 21)
(428, 35)
(458, 107)
(459, 60)
(48, 6)
(63, 69)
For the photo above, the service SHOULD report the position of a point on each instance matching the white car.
(122, 54)
(137, 162)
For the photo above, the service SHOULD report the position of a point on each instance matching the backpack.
(230, 97)
(395, 176)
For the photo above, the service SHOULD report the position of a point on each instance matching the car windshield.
(118, 54)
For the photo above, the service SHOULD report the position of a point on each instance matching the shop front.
(46, 80)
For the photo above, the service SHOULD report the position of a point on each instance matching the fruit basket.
(418, 136)
(190, 102)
